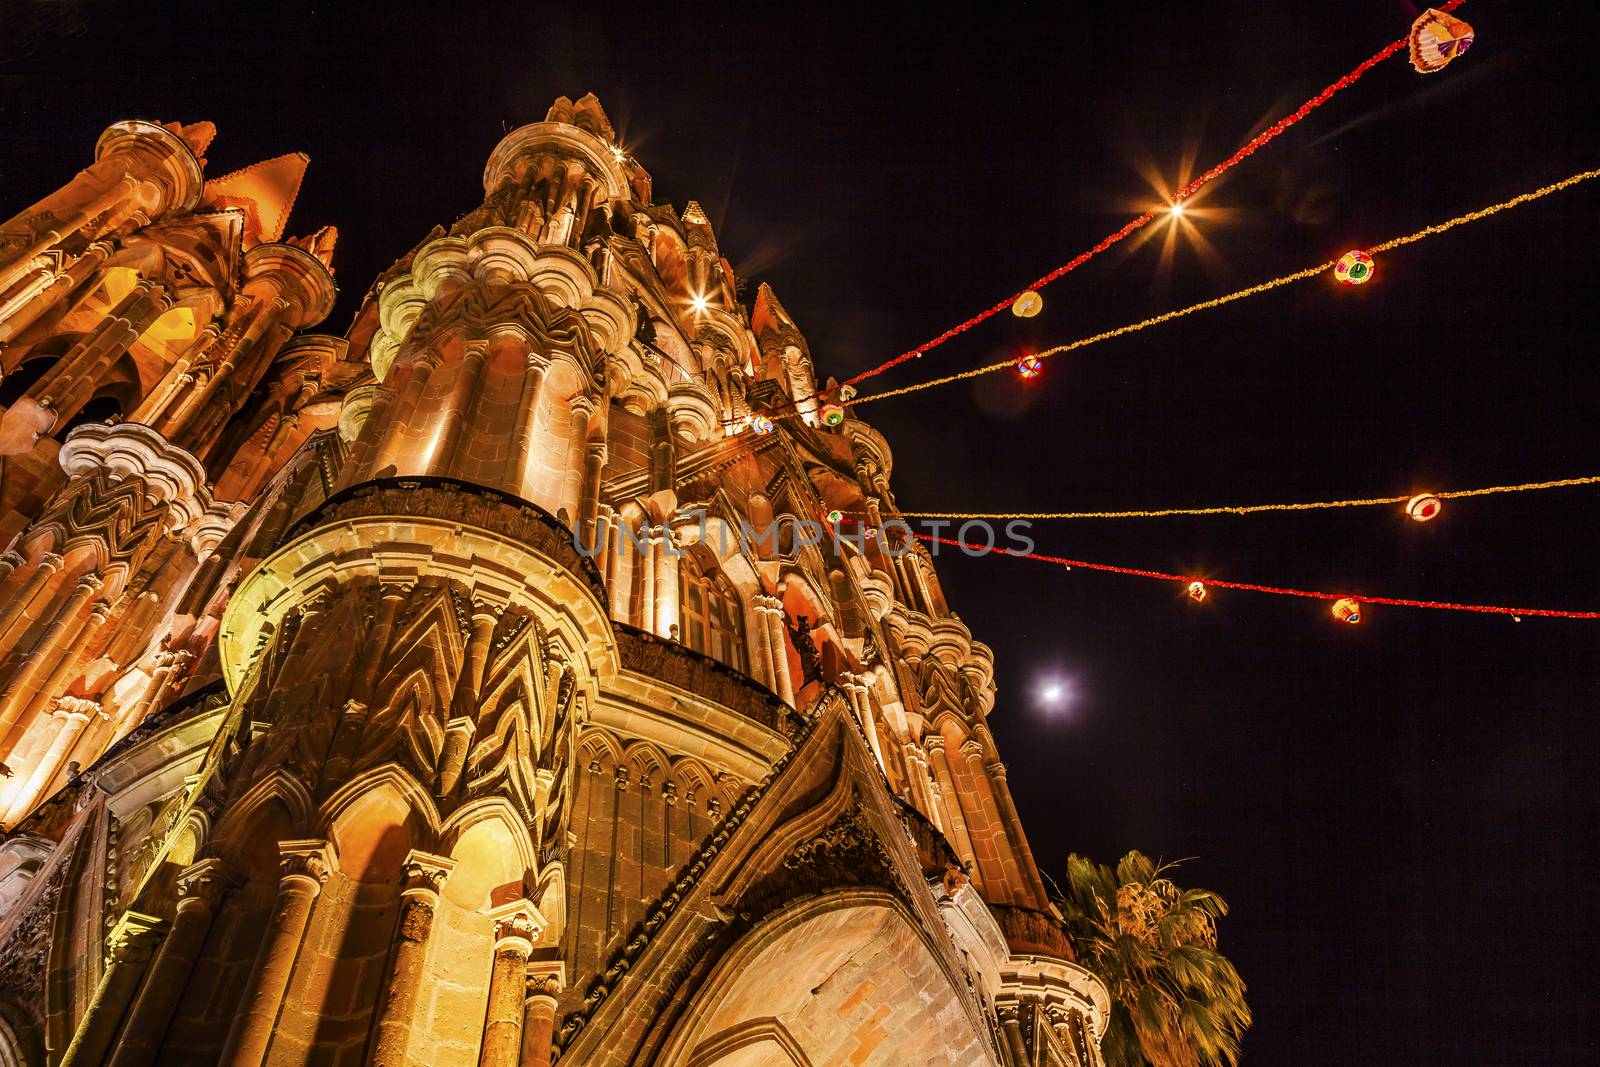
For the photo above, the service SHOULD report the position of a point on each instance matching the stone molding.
(124, 450)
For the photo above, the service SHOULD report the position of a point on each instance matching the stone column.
(645, 560)
(377, 641)
(544, 982)
(760, 644)
(1010, 1016)
(69, 385)
(458, 408)
(74, 714)
(666, 585)
(856, 688)
(422, 877)
(200, 889)
(605, 539)
(15, 605)
(464, 701)
(1075, 1032)
(177, 378)
(36, 275)
(777, 639)
(1013, 828)
(167, 664)
(130, 945)
(594, 461)
(922, 798)
(516, 470)
(42, 657)
(934, 743)
(583, 409)
(200, 425)
(399, 414)
(306, 866)
(516, 928)
(47, 223)
(60, 288)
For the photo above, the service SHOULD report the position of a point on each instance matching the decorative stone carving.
(129, 451)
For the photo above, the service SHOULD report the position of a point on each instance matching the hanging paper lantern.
(1436, 39)
(835, 517)
(1197, 591)
(1027, 305)
(832, 414)
(1347, 610)
(1424, 507)
(1353, 268)
(761, 424)
(1030, 367)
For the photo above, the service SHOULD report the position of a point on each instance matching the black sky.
(1403, 814)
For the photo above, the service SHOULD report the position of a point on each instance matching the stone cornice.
(124, 450)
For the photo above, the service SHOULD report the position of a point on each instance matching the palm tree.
(1175, 1000)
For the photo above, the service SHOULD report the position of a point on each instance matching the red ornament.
(1030, 367)
(1424, 507)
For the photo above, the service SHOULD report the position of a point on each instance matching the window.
(713, 620)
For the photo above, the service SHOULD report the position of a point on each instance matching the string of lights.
(1252, 509)
(1248, 149)
(1197, 587)
(1206, 305)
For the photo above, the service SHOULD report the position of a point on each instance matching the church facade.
(538, 671)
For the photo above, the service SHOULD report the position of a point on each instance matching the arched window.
(713, 619)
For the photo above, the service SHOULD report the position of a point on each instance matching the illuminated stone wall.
(469, 688)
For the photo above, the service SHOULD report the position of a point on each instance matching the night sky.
(1403, 813)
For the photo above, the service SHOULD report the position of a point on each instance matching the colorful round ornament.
(761, 424)
(1197, 591)
(1030, 367)
(1354, 268)
(1347, 609)
(832, 414)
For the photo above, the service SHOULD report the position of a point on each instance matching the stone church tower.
(470, 689)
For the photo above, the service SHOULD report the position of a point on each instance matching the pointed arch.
(358, 818)
(645, 762)
(276, 808)
(599, 752)
(492, 848)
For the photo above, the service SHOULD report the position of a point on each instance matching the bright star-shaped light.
(699, 303)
